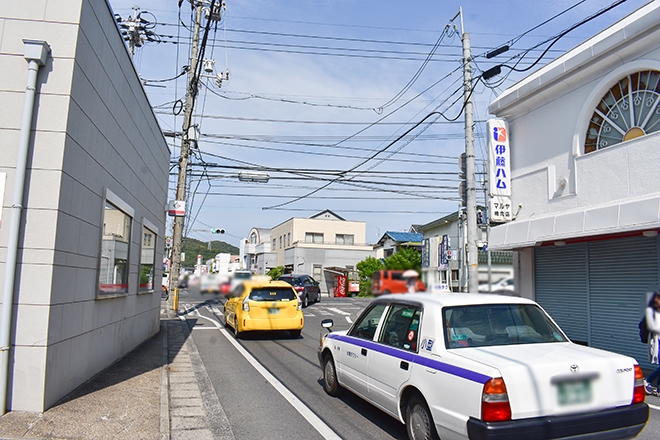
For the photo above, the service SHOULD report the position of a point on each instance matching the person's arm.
(652, 322)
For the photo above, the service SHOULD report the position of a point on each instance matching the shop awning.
(639, 214)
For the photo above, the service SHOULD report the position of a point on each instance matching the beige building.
(322, 246)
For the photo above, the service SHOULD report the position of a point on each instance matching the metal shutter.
(560, 287)
(621, 272)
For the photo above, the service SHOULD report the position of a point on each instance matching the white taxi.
(482, 366)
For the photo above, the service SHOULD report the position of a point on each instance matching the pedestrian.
(411, 284)
(652, 316)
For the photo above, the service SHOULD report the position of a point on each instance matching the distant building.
(392, 241)
(584, 135)
(433, 271)
(323, 246)
(89, 263)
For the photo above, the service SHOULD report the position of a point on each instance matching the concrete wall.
(93, 130)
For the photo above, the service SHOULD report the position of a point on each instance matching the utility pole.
(177, 233)
(470, 181)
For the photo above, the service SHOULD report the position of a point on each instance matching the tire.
(318, 297)
(386, 292)
(330, 384)
(305, 301)
(295, 334)
(419, 422)
(237, 334)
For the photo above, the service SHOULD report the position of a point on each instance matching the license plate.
(572, 393)
(273, 311)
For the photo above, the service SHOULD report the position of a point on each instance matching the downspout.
(36, 53)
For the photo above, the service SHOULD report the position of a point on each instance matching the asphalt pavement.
(160, 390)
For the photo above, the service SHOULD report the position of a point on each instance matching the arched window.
(253, 238)
(628, 110)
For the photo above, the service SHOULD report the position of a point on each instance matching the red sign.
(340, 288)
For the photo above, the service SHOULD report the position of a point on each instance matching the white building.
(585, 154)
(90, 238)
(323, 246)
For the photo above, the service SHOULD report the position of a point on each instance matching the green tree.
(275, 272)
(192, 247)
(366, 269)
(406, 258)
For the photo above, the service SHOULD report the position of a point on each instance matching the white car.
(505, 284)
(481, 366)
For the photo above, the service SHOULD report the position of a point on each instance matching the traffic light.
(217, 231)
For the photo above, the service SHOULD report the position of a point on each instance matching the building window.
(147, 259)
(627, 111)
(288, 239)
(115, 246)
(317, 272)
(253, 238)
(274, 243)
(313, 237)
(343, 239)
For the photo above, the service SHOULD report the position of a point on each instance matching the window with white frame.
(115, 245)
(147, 257)
(313, 237)
(344, 239)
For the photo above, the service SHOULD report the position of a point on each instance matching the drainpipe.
(36, 53)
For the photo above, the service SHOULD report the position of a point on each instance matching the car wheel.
(295, 334)
(330, 384)
(318, 297)
(419, 422)
(386, 292)
(305, 301)
(237, 334)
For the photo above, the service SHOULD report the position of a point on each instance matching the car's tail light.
(639, 393)
(495, 401)
(299, 288)
(246, 305)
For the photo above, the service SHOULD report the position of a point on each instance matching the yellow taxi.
(264, 305)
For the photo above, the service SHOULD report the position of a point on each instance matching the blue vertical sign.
(443, 261)
(426, 256)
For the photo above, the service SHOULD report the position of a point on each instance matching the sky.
(355, 106)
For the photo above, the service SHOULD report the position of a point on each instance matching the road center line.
(297, 404)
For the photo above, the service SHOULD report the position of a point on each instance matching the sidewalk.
(158, 391)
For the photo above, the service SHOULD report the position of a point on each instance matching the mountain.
(193, 247)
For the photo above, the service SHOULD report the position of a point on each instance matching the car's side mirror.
(327, 323)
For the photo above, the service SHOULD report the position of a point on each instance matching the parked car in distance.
(384, 282)
(308, 289)
(237, 277)
(481, 366)
(505, 284)
(264, 305)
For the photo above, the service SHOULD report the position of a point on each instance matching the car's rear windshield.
(498, 324)
(272, 294)
(292, 280)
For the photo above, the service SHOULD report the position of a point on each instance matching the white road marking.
(298, 405)
(657, 408)
(336, 310)
(348, 318)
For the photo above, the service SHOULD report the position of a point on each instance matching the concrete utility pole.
(177, 233)
(470, 181)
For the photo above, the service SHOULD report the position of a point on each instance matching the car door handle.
(363, 352)
(403, 365)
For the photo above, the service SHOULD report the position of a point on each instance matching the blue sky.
(317, 87)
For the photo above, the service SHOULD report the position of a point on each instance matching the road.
(270, 385)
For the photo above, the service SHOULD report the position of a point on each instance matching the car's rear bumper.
(617, 423)
(251, 324)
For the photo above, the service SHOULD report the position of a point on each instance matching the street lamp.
(253, 176)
